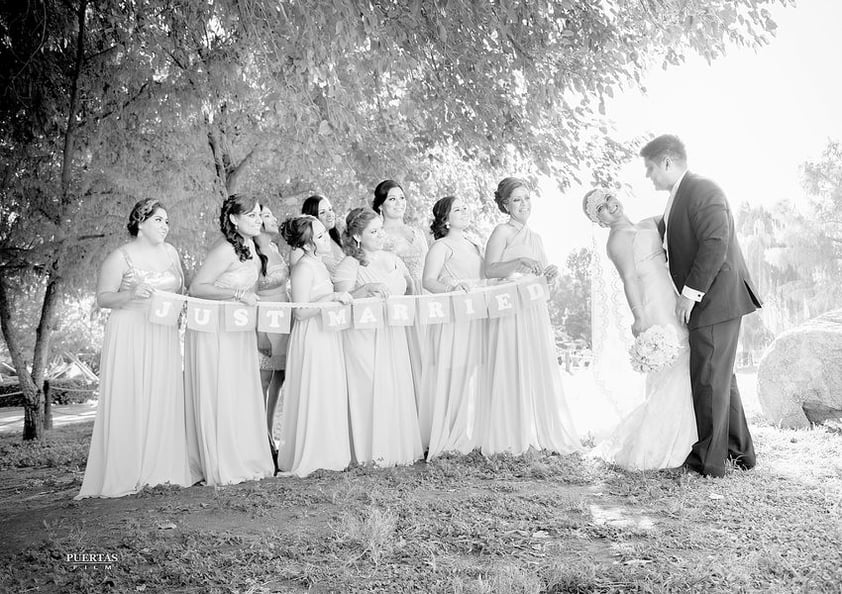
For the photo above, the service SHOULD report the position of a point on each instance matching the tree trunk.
(48, 406)
(33, 416)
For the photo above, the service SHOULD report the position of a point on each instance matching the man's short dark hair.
(665, 145)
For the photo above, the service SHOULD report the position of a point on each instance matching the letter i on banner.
(470, 306)
(165, 310)
(434, 309)
(274, 319)
(400, 311)
(368, 313)
(534, 291)
(502, 302)
(337, 317)
(239, 317)
(203, 317)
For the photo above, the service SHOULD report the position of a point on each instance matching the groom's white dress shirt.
(686, 291)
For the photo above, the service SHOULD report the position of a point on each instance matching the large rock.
(803, 366)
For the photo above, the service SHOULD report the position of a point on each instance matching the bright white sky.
(748, 121)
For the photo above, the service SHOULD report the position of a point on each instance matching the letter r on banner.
(274, 319)
(165, 310)
(337, 317)
(502, 302)
(239, 317)
(400, 311)
(434, 309)
(202, 317)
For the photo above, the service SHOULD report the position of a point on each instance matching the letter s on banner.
(239, 317)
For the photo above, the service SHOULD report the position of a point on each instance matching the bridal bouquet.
(655, 348)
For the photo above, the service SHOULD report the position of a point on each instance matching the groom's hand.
(683, 309)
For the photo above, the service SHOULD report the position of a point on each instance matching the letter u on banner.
(273, 318)
(203, 317)
(470, 306)
(337, 317)
(368, 313)
(400, 311)
(239, 317)
(502, 302)
(165, 310)
(534, 291)
(434, 309)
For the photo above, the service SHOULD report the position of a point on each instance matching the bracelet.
(238, 294)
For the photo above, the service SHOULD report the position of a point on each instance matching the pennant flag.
(470, 306)
(535, 290)
(165, 310)
(203, 317)
(502, 302)
(273, 318)
(401, 310)
(337, 318)
(368, 313)
(434, 309)
(239, 317)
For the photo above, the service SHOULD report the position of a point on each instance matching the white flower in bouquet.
(655, 348)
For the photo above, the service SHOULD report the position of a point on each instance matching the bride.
(661, 430)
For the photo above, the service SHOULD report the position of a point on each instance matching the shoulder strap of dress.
(126, 256)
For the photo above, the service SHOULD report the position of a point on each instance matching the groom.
(715, 291)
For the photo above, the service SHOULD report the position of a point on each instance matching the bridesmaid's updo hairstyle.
(381, 192)
(298, 231)
(239, 204)
(441, 214)
(311, 207)
(142, 211)
(355, 223)
(505, 189)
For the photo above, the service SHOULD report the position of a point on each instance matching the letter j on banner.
(164, 310)
(337, 317)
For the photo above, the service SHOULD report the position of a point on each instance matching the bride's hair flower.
(655, 348)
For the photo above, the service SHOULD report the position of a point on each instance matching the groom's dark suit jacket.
(704, 254)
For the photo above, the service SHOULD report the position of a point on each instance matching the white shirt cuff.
(692, 294)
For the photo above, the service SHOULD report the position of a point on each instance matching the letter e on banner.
(273, 319)
(502, 302)
(434, 309)
(164, 310)
(203, 317)
(337, 317)
(470, 306)
(239, 317)
(400, 311)
(534, 291)
(368, 313)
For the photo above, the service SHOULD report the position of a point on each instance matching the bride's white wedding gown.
(660, 432)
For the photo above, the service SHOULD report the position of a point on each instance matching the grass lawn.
(536, 523)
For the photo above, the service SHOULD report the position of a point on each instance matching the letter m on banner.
(337, 317)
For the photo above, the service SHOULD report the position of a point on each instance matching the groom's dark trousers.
(704, 255)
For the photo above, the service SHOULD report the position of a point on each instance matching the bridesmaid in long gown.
(453, 389)
(138, 437)
(320, 207)
(226, 423)
(661, 431)
(527, 403)
(314, 423)
(384, 420)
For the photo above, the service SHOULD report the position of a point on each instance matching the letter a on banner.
(400, 311)
(239, 317)
(165, 309)
(502, 302)
(203, 317)
(470, 306)
(534, 291)
(434, 309)
(337, 317)
(368, 313)
(273, 319)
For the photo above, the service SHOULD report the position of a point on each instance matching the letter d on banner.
(203, 317)
(534, 291)
(502, 302)
(164, 310)
(273, 318)
(337, 317)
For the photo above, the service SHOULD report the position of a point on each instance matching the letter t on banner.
(165, 309)
(273, 319)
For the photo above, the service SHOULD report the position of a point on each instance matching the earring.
(447, 225)
(357, 241)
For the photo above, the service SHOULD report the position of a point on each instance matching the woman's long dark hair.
(355, 223)
(311, 207)
(441, 213)
(238, 204)
(381, 192)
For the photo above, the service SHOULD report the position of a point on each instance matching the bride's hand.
(637, 327)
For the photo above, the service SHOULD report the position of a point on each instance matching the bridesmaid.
(226, 425)
(314, 422)
(527, 405)
(319, 207)
(384, 421)
(452, 380)
(138, 437)
(271, 286)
